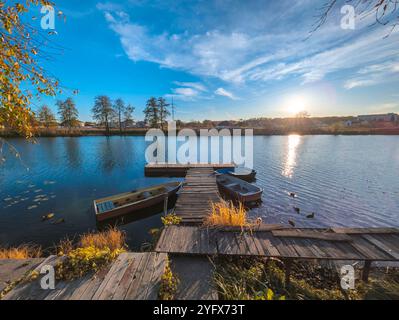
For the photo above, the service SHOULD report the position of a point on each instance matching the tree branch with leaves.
(22, 77)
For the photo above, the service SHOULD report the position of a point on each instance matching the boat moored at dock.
(128, 202)
(239, 189)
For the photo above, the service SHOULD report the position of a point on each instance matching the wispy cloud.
(374, 74)
(195, 85)
(225, 93)
(239, 56)
(187, 91)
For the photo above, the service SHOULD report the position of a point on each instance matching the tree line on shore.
(105, 112)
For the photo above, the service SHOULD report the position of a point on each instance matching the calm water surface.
(344, 180)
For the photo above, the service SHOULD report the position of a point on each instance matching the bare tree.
(103, 111)
(46, 116)
(119, 108)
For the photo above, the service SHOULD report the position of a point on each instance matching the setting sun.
(295, 104)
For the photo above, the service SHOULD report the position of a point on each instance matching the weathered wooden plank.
(369, 250)
(160, 261)
(31, 290)
(268, 243)
(301, 247)
(365, 230)
(293, 233)
(111, 281)
(12, 270)
(128, 277)
(135, 285)
(381, 245)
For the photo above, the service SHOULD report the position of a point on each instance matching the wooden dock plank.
(12, 270)
(31, 290)
(310, 234)
(382, 245)
(128, 276)
(188, 240)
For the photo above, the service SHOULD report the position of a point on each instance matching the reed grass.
(21, 252)
(224, 213)
(91, 253)
(112, 238)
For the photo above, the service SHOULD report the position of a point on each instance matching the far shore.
(81, 132)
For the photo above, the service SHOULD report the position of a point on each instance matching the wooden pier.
(180, 170)
(189, 246)
(194, 200)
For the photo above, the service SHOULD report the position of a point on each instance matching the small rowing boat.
(243, 174)
(239, 189)
(128, 202)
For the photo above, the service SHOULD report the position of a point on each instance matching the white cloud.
(239, 57)
(225, 93)
(373, 74)
(187, 91)
(195, 85)
(108, 6)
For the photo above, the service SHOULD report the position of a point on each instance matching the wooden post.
(366, 270)
(288, 265)
(165, 205)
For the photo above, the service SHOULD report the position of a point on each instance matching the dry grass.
(64, 246)
(112, 238)
(226, 214)
(21, 252)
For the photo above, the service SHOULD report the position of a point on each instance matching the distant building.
(387, 117)
(90, 124)
(141, 124)
(128, 124)
(348, 123)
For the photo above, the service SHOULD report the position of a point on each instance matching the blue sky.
(225, 59)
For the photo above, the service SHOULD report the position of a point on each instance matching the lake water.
(344, 180)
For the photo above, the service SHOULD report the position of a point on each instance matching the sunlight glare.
(290, 162)
(295, 104)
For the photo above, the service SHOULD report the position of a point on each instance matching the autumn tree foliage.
(22, 77)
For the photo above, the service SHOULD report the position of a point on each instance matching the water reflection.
(290, 162)
(72, 151)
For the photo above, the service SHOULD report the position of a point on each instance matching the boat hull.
(246, 177)
(135, 206)
(254, 196)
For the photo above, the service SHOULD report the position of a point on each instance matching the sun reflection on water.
(290, 161)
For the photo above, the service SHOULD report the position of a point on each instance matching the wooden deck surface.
(133, 276)
(12, 270)
(194, 198)
(180, 170)
(373, 244)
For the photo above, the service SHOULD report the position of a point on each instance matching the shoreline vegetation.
(83, 132)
